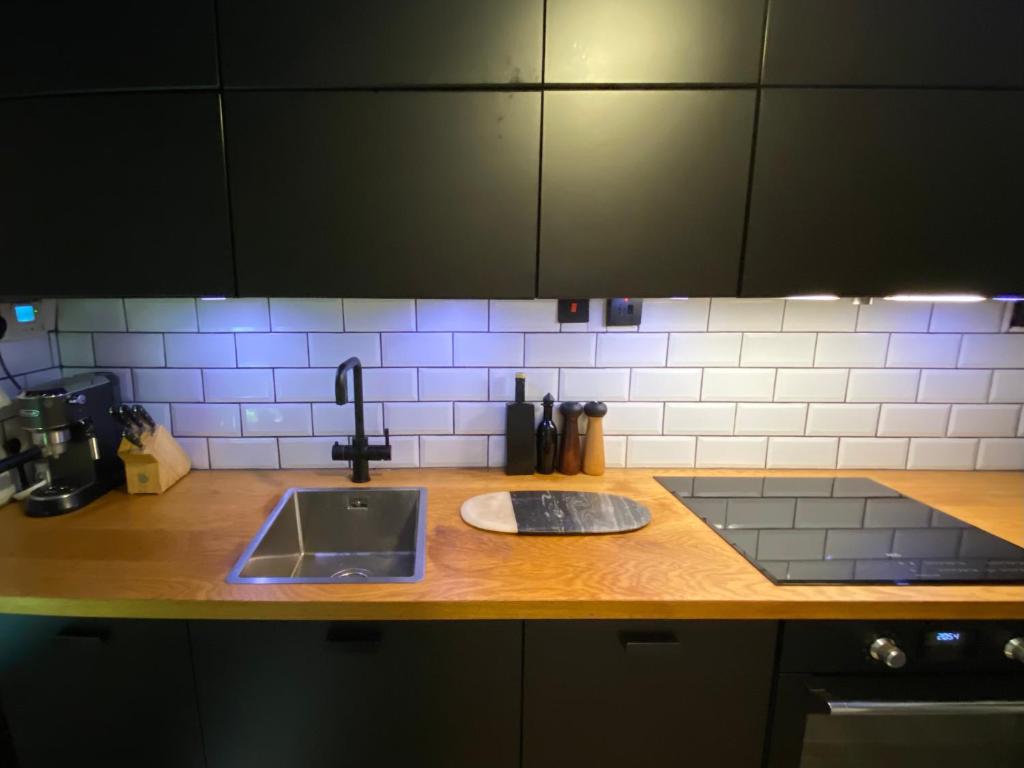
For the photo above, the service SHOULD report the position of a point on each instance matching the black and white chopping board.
(566, 512)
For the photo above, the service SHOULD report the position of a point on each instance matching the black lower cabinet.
(638, 694)
(316, 694)
(97, 693)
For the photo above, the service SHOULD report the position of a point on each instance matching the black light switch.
(573, 310)
(624, 311)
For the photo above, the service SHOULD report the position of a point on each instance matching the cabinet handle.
(354, 640)
(649, 643)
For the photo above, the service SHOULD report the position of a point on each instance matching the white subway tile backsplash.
(306, 315)
(539, 381)
(197, 449)
(882, 386)
(738, 452)
(820, 385)
(771, 419)
(451, 314)
(206, 420)
(954, 386)
(231, 315)
(923, 350)
(615, 450)
(231, 385)
(243, 453)
(1001, 454)
(453, 384)
(526, 315)
(161, 315)
(332, 349)
(552, 349)
(884, 315)
(308, 453)
(979, 317)
(306, 385)
(861, 350)
(780, 350)
(334, 419)
(496, 451)
(380, 315)
(277, 350)
(277, 420)
(416, 349)
(802, 452)
(615, 349)
(942, 453)
(75, 349)
(665, 384)
(479, 418)
(419, 418)
(675, 315)
(31, 354)
(700, 350)
(1005, 350)
(405, 452)
(129, 350)
(1007, 387)
(453, 451)
(913, 420)
(90, 315)
(200, 350)
(838, 315)
(751, 384)
(699, 418)
(984, 420)
(594, 384)
(633, 419)
(167, 385)
(746, 314)
(873, 452)
(388, 384)
(842, 419)
(657, 451)
(490, 349)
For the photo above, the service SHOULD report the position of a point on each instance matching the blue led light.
(947, 637)
(24, 313)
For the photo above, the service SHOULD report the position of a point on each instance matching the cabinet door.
(317, 694)
(646, 694)
(61, 46)
(384, 194)
(653, 41)
(867, 193)
(344, 43)
(644, 192)
(92, 692)
(114, 195)
(882, 42)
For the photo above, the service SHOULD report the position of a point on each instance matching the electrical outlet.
(624, 312)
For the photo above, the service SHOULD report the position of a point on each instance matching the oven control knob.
(1014, 649)
(886, 651)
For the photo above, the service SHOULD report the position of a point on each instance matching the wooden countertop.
(167, 556)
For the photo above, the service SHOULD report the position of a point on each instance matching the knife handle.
(142, 416)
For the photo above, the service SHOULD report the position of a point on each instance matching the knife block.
(159, 464)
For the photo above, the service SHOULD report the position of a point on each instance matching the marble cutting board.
(563, 512)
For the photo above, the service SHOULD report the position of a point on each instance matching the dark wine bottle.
(547, 438)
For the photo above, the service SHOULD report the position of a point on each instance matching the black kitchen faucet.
(359, 452)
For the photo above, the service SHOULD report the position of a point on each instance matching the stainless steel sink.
(338, 535)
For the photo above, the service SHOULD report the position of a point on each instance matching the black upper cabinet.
(643, 192)
(135, 181)
(872, 192)
(384, 194)
(653, 41)
(347, 43)
(62, 46)
(885, 42)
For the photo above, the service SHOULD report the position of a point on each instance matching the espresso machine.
(74, 431)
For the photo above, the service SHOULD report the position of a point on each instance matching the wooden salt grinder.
(593, 456)
(569, 460)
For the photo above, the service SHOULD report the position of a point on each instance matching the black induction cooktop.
(845, 530)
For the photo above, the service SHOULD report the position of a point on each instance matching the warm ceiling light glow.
(814, 297)
(960, 298)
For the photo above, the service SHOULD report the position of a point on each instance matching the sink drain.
(347, 572)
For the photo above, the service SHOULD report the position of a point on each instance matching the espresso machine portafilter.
(70, 421)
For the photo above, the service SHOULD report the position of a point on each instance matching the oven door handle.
(838, 708)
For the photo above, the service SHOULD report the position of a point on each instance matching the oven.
(901, 694)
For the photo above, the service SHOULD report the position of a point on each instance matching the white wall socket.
(26, 319)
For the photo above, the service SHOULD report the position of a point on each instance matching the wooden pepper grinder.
(569, 461)
(593, 456)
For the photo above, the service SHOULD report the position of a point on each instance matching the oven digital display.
(945, 638)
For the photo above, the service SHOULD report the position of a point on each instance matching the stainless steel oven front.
(901, 694)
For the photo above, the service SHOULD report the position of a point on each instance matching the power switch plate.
(624, 311)
(574, 310)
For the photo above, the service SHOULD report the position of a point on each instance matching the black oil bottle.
(547, 438)
(520, 443)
